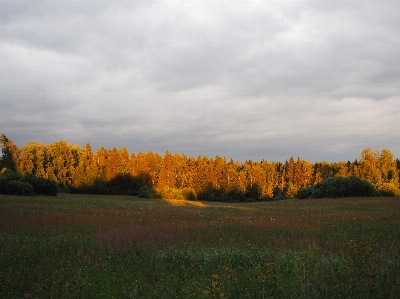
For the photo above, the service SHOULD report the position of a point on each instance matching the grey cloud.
(246, 80)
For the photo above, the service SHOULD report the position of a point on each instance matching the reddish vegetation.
(54, 218)
(157, 228)
(189, 224)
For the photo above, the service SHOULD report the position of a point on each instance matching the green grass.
(85, 246)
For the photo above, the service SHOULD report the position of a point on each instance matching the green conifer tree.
(10, 153)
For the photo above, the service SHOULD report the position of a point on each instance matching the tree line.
(78, 169)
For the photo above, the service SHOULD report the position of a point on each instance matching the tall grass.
(96, 247)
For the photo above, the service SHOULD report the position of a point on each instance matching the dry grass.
(184, 202)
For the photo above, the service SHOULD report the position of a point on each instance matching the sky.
(248, 80)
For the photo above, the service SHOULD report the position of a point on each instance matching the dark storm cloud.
(248, 80)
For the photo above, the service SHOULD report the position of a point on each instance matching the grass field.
(86, 246)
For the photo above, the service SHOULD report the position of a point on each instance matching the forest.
(116, 171)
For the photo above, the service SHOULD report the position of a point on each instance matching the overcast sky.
(241, 79)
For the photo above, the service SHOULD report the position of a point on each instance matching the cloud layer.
(243, 79)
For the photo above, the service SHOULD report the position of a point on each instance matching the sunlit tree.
(26, 163)
(388, 167)
(143, 170)
(369, 166)
(155, 162)
(86, 171)
(112, 164)
(167, 177)
(271, 178)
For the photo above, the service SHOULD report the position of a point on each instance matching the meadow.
(92, 246)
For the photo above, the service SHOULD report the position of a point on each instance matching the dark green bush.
(306, 192)
(318, 191)
(41, 185)
(19, 188)
(213, 194)
(122, 183)
(62, 188)
(280, 197)
(236, 196)
(216, 194)
(131, 192)
(146, 192)
(358, 187)
(338, 187)
(189, 193)
(335, 187)
(7, 176)
(100, 187)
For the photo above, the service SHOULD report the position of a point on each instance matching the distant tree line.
(80, 170)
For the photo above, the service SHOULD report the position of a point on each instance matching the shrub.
(313, 191)
(318, 191)
(236, 196)
(146, 192)
(306, 192)
(338, 187)
(358, 187)
(100, 187)
(62, 188)
(189, 193)
(171, 193)
(212, 194)
(41, 185)
(131, 192)
(216, 194)
(19, 188)
(7, 176)
(122, 183)
(280, 197)
(335, 187)
(174, 193)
